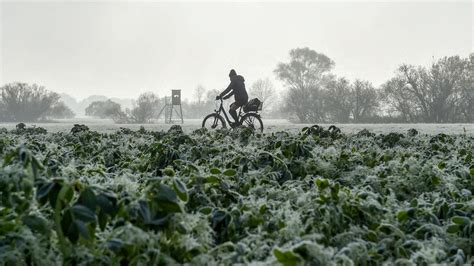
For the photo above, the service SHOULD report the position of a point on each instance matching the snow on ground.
(270, 125)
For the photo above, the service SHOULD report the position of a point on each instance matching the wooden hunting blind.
(176, 97)
(171, 106)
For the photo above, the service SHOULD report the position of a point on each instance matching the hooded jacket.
(236, 88)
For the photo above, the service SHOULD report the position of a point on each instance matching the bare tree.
(60, 110)
(303, 75)
(22, 102)
(146, 108)
(465, 106)
(264, 90)
(399, 102)
(103, 109)
(338, 100)
(199, 94)
(442, 93)
(345, 101)
(364, 100)
(448, 84)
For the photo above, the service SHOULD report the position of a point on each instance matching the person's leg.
(233, 112)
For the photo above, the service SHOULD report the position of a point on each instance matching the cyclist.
(236, 88)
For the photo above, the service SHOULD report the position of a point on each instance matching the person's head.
(232, 73)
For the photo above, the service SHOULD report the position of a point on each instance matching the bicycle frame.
(221, 109)
(217, 116)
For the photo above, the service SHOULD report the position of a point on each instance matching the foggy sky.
(120, 49)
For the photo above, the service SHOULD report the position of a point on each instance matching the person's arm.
(228, 95)
(229, 89)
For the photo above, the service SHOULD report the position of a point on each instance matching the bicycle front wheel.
(252, 121)
(213, 121)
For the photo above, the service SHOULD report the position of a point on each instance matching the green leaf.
(287, 258)
(104, 203)
(7, 227)
(277, 144)
(144, 211)
(115, 244)
(402, 216)
(215, 171)
(453, 228)
(165, 193)
(72, 232)
(180, 189)
(53, 194)
(9, 157)
(167, 199)
(372, 236)
(390, 229)
(442, 165)
(36, 223)
(411, 212)
(160, 221)
(43, 191)
(65, 194)
(205, 210)
(88, 199)
(193, 167)
(435, 180)
(322, 183)
(102, 220)
(169, 172)
(66, 221)
(35, 166)
(83, 213)
(335, 190)
(219, 215)
(230, 172)
(213, 180)
(460, 220)
(82, 229)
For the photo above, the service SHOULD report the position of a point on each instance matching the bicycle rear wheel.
(213, 121)
(252, 121)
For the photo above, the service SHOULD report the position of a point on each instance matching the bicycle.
(250, 119)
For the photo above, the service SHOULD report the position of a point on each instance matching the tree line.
(148, 106)
(21, 102)
(440, 93)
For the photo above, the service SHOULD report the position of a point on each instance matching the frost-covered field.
(316, 197)
(271, 125)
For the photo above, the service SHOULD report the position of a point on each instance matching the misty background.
(135, 53)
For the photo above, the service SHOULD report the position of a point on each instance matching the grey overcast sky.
(120, 49)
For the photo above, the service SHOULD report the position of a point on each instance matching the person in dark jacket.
(236, 88)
